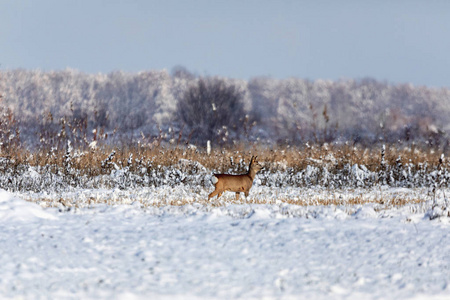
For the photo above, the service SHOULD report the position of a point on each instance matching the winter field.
(309, 233)
(104, 184)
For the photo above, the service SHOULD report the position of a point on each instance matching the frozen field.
(145, 249)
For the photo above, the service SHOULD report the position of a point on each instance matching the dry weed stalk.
(89, 161)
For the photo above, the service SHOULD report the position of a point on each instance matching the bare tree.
(212, 109)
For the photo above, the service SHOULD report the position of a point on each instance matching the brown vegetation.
(278, 158)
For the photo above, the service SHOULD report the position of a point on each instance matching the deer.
(236, 183)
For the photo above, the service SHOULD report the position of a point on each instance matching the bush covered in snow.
(337, 167)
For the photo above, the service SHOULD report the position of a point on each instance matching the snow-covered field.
(143, 248)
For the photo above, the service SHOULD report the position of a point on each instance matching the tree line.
(226, 110)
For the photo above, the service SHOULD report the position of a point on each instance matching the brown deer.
(235, 183)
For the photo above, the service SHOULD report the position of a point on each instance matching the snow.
(13, 209)
(233, 251)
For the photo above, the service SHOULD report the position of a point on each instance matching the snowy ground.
(243, 251)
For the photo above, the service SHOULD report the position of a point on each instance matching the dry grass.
(340, 198)
(384, 203)
(89, 161)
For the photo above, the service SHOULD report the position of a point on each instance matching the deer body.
(235, 183)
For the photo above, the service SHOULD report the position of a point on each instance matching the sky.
(393, 41)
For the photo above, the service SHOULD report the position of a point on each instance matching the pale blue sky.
(397, 41)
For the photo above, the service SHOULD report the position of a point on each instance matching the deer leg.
(246, 196)
(237, 195)
(215, 192)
